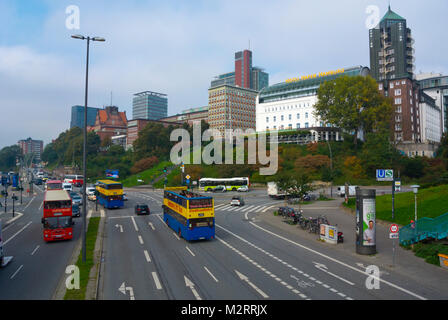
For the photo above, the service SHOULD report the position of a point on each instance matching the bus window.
(201, 203)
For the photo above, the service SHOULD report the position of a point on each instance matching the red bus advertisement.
(57, 216)
(53, 185)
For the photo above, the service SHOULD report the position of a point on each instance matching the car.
(243, 189)
(76, 210)
(237, 201)
(91, 197)
(141, 208)
(90, 190)
(67, 186)
(219, 189)
(125, 197)
(76, 199)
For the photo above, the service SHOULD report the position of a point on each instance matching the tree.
(8, 157)
(353, 104)
(295, 185)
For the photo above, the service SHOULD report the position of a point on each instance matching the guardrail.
(424, 228)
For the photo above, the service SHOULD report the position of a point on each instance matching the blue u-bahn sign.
(384, 175)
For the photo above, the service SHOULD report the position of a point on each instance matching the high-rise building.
(232, 108)
(77, 119)
(243, 69)
(29, 146)
(149, 105)
(391, 49)
(244, 76)
(260, 79)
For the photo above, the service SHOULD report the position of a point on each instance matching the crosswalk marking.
(247, 208)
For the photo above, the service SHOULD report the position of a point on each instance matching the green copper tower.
(391, 49)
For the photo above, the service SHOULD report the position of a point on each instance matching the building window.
(298, 126)
(306, 115)
(306, 125)
(290, 117)
(267, 119)
(398, 92)
(282, 118)
(397, 100)
(275, 118)
(298, 116)
(391, 85)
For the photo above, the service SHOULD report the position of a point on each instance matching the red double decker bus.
(57, 216)
(53, 185)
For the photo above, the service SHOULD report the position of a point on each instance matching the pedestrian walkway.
(245, 209)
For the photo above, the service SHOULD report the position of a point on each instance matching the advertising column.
(365, 221)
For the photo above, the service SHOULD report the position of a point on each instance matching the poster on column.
(369, 223)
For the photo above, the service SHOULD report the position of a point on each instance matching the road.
(249, 259)
(37, 266)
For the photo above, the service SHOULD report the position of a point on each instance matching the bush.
(144, 164)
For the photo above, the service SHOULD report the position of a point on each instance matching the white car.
(90, 191)
(67, 186)
(243, 189)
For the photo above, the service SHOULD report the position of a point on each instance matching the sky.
(178, 47)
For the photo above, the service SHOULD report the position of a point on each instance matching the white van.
(67, 186)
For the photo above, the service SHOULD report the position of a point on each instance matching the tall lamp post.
(331, 169)
(415, 189)
(84, 202)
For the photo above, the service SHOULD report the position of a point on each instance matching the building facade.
(149, 105)
(134, 126)
(391, 49)
(243, 69)
(260, 79)
(77, 119)
(290, 105)
(231, 107)
(436, 86)
(222, 79)
(29, 146)
(110, 122)
(189, 116)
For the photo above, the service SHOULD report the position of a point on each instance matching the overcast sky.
(177, 47)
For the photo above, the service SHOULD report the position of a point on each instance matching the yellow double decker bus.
(110, 194)
(189, 214)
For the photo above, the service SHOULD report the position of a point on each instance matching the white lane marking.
(324, 268)
(176, 236)
(29, 203)
(123, 290)
(135, 225)
(15, 273)
(40, 207)
(341, 263)
(19, 215)
(227, 206)
(190, 284)
(270, 255)
(254, 209)
(156, 280)
(140, 239)
(239, 208)
(119, 226)
(257, 265)
(34, 251)
(220, 205)
(247, 208)
(151, 225)
(246, 279)
(211, 275)
(18, 232)
(268, 208)
(232, 208)
(190, 251)
(147, 256)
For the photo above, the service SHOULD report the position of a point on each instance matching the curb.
(94, 275)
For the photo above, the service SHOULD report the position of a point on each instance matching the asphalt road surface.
(249, 259)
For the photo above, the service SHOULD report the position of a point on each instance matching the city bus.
(189, 214)
(57, 216)
(231, 184)
(53, 185)
(110, 194)
(74, 179)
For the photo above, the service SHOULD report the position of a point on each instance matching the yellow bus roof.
(176, 188)
(109, 182)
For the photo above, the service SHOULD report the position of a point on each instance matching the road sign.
(393, 235)
(384, 175)
(393, 228)
(187, 177)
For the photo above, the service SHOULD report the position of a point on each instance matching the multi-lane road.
(249, 259)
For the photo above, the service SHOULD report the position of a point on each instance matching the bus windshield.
(113, 186)
(62, 204)
(58, 222)
(54, 186)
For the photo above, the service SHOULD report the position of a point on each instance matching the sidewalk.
(406, 262)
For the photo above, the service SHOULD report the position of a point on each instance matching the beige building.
(231, 107)
(189, 116)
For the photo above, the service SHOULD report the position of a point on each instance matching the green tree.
(8, 157)
(353, 104)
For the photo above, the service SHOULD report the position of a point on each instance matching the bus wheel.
(234, 189)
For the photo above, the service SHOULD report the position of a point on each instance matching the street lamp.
(415, 190)
(84, 202)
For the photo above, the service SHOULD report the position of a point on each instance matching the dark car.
(141, 208)
(219, 189)
(76, 211)
(38, 182)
